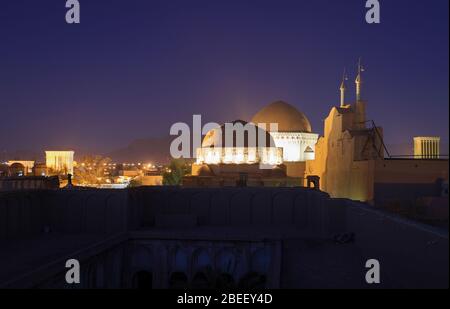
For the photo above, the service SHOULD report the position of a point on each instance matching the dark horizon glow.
(133, 68)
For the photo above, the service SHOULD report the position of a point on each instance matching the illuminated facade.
(290, 137)
(427, 147)
(282, 142)
(350, 158)
(348, 152)
(247, 144)
(59, 162)
(297, 146)
(238, 152)
(242, 155)
(27, 166)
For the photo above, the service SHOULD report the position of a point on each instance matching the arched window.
(260, 261)
(17, 169)
(226, 262)
(201, 260)
(180, 261)
(308, 154)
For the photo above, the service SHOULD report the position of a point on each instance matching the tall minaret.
(360, 105)
(359, 81)
(343, 88)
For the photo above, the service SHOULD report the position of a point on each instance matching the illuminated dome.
(289, 118)
(245, 146)
(211, 139)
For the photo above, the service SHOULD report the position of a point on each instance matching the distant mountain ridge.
(26, 155)
(147, 150)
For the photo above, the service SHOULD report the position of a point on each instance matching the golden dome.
(289, 118)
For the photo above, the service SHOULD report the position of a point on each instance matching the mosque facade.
(271, 150)
(350, 158)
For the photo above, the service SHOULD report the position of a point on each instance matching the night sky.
(132, 68)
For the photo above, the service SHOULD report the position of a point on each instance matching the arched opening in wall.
(313, 182)
(260, 261)
(253, 280)
(202, 262)
(201, 281)
(180, 261)
(17, 169)
(308, 154)
(225, 281)
(143, 280)
(178, 280)
(226, 262)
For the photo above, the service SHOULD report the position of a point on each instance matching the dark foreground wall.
(26, 213)
(307, 239)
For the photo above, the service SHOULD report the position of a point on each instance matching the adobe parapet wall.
(305, 211)
(25, 213)
(281, 208)
(413, 254)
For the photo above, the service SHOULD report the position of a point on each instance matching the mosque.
(276, 155)
(350, 159)
(242, 238)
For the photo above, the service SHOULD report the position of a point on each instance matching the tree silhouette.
(173, 176)
(91, 170)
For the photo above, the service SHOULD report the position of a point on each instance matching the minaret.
(360, 105)
(359, 81)
(343, 88)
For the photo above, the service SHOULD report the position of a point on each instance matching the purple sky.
(133, 68)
